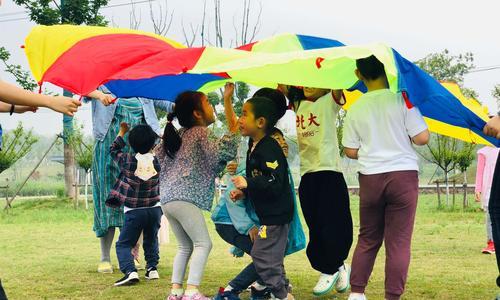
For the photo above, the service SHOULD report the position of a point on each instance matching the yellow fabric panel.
(45, 44)
(470, 103)
(460, 133)
(278, 44)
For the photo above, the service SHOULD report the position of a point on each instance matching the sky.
(414, 28)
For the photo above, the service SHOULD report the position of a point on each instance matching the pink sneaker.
(197, 296)
(173, 297)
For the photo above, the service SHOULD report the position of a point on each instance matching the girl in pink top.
(486, 159)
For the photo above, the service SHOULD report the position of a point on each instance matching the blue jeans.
(147, 221)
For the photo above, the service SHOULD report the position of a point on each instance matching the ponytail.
(171, 139)
(185, 104)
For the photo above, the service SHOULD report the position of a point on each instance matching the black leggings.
(325, 204)
(494, 209)
(2, 292)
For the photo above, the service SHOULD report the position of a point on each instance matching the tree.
(23, 77)
(83, 155)
(78, 12)
(496, 94)
(445, 152)
(464, 159)
(16, 144)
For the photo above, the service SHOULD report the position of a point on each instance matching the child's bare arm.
(421, 138)
(232, 119)
(351, 153)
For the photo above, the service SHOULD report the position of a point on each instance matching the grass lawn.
(48, 251)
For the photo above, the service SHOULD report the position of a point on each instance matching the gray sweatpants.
(193, 241)
(268, 254)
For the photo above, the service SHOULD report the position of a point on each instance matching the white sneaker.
(325, 284)
(152, 274)
(343, 283)
(357, 296)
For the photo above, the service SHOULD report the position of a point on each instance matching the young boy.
(323, 192)
(268, 187)
(378, 131)
(137, 188)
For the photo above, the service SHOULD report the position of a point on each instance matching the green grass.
(48, 251)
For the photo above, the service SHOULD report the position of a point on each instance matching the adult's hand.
(492, 128)
(65, 105)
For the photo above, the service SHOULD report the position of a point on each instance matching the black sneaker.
(129, 279)
(264, 294)
(152, 273)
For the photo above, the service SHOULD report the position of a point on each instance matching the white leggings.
(193, 241)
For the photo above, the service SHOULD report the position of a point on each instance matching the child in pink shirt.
(486, 159)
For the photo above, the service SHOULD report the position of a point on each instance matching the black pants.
(325, 204)
(494, 208)
(2, 292)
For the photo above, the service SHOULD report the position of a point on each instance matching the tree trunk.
(447, 183)
(439, 194)
(87, 174)
(69, 154)
(69, 170)
(466, 203)
(454, 191)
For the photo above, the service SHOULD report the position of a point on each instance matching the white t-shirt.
(380, 125)
(317, 135)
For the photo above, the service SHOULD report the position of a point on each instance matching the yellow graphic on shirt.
(263, 232)
(272, 165)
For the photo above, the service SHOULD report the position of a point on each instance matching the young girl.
(486, 159)
(267, 185)
(190, 160)
(324, 197)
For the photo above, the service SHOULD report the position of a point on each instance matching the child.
(137, 188)
(237, 222)
(378, 132)
(191, 159)
(324, 196)
(268, 187)
(486, 159)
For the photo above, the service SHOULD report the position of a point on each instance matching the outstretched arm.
(18, 109)
(232, 119)
(14, 95)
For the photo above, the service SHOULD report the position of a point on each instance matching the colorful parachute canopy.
(133, 63)
(168, 87)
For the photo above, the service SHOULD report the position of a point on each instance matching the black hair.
(263, 107)
(277, 97)
(295, 94)
(142, 138)
(370, 68)
(185, 104)
(275, 130)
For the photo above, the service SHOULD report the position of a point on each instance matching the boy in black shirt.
(267, 185)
